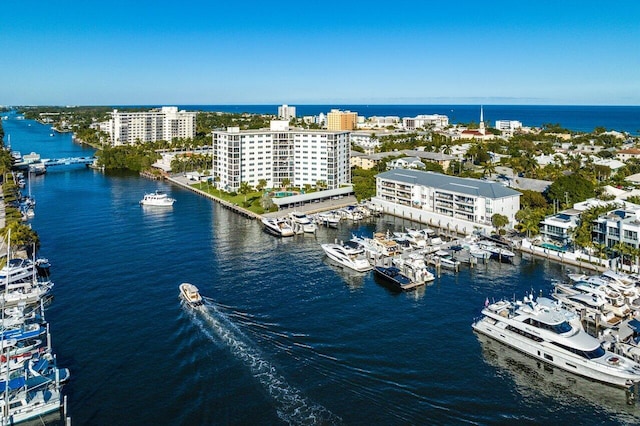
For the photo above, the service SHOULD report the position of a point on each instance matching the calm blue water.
(574, 117)
(286, 337)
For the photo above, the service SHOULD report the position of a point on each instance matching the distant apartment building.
(436, 121)
(446, 201)
(166, 123)
(286, 112)
(341, 120)
(508, 127)
(300, 156)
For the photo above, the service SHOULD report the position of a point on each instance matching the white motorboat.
(331, 219)
(414, 267)
(349, 254)
(497, 252)
(278, 227)
(303, 221)
(479, 253)
(17, 270)
(157, 199)
(551, 334)
(615, 302)
(445, 259)
(191, 295)
(593, 306)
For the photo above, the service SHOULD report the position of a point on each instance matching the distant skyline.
(201, 53)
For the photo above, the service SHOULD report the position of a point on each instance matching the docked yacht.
(302, 221)
(17, 270)
(349, 254)
(330, 219)
(542, 329)
(190, 294)
(444, 259)
(394, 277)
(414, 267)
(278, 227)
(157, 199)
(500, 253)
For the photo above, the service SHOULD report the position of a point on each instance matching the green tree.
(499, 221)
(569, 190)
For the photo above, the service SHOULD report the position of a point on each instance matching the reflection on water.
(534, 379)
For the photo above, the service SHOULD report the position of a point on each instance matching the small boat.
(158, 199)
(278, 227)
(190, 295)
(393, 276)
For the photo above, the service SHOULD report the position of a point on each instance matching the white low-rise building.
(436, 121)
(508, 127)
(458, 204)
(279, 154)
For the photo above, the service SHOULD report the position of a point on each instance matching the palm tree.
(262, 184)
(285, 183)
(488, 167)
(244, 189)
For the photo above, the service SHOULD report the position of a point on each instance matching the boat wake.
(291, 406)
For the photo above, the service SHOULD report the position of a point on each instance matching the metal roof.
(301, 198)
(468, 186)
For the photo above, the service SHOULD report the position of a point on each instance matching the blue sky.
(332, 52)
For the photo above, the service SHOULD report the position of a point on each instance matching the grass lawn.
(252, 198)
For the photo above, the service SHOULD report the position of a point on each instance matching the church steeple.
(481, 121)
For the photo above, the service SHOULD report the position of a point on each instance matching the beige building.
(341, 120)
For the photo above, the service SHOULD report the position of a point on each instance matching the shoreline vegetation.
(24, 240)
(574, 176)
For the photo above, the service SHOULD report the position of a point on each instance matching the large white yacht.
(349, 254)
(542, 329)
(158, 199)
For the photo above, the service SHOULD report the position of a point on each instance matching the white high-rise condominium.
(286, 112)
(166, 123)
(277, 154)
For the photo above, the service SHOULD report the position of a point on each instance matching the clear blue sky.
(327, 52)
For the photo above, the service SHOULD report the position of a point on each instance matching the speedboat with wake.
(191, 295)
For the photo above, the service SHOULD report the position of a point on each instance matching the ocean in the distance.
(573, 117)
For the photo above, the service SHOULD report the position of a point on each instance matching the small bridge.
(67, 161)
(41, 165)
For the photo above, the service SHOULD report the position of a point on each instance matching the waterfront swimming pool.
(553, 247)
